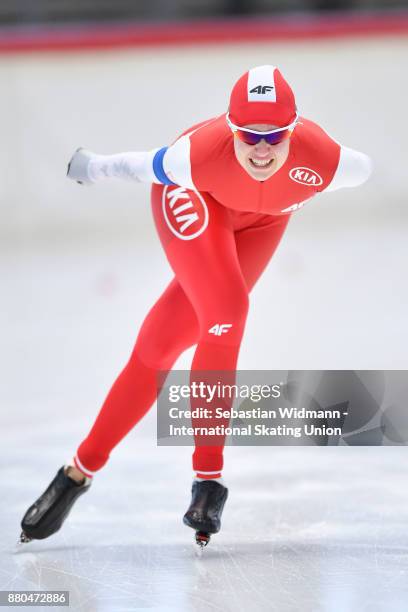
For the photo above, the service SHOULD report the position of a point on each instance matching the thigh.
(256, 245)
(198, 238)
(211, 260)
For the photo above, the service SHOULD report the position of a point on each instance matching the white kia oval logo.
(305, 176)
(185, 212)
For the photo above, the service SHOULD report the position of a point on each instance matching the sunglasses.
(252, 137)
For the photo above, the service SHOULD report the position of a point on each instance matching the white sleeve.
(354, 169)
(177, 164)
(136, 166)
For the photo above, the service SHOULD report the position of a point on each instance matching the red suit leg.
(214, 273)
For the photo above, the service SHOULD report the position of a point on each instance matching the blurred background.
(80, 267)
(40, 11)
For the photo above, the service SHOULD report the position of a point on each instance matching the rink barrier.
(222, 31)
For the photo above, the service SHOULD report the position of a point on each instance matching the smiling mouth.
(261, 163)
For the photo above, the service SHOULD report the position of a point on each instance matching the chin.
(260, 175)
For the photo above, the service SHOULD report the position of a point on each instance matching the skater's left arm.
(354, 169)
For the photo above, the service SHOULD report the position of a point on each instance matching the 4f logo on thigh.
(220, 328)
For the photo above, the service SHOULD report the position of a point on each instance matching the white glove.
(78, 167)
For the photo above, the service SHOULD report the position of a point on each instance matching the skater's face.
(261, 160)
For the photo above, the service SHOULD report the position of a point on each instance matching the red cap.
(262, 95)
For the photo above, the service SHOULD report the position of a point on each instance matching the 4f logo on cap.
(185, 212)
(266, 92)
(305, 176)
(261, 89)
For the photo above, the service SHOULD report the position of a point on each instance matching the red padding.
(295, 28)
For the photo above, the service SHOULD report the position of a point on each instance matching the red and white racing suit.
(219, 228)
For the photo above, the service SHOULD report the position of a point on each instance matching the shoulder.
(194, 148)
(341, 166)
(314, 142)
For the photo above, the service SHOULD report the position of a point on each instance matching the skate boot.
(204, 513)
(47, 514)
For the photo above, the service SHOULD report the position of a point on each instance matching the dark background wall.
(59, 11)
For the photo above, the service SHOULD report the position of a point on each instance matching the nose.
(262, 148)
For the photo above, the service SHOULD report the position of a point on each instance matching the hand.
(79, 165)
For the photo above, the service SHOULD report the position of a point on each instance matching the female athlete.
(222, 195)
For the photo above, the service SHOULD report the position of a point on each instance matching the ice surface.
(304, 528)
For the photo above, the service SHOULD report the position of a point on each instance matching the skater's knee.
(161, 342)
(158, 350)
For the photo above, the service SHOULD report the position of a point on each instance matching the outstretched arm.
(86, 167)
(354, 169)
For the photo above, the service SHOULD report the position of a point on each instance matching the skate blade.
(202, 539)
(24, 539)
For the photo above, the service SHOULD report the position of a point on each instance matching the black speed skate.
(204, 513)
(48, 513)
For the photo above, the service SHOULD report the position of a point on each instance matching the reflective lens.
(271, 138)
(252, 137)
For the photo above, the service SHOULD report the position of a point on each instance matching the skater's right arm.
(165, 166)
(86, 167)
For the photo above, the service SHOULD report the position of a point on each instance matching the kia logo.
(185, 212)
(305, 176)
